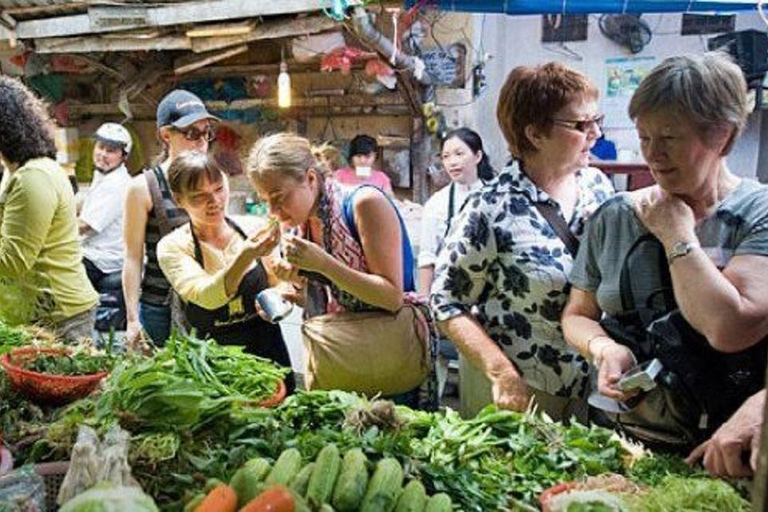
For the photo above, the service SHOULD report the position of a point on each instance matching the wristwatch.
(680, 249)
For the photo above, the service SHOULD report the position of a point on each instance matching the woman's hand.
(263, 242)
(666, 216)
(510, 392)
(723, 455)
(615, 361)
(304, 254)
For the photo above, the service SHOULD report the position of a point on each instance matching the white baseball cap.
(116, 135)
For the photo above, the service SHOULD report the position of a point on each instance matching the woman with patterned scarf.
(345, 273)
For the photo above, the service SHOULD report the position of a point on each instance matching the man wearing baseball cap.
(183, 124)
(100, 216)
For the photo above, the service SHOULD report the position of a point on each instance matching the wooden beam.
(268, 30)
(192, 62)
(8, 36)
(223, 29)
(110, 44)
(384, 101)
(421, 156)
(166, 15)
(37, 10)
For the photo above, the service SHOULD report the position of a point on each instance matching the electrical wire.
(761, 11)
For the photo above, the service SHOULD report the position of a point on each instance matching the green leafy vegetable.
(690, 495)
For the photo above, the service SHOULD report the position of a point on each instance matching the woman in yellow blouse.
(42, 278)
(215, 265)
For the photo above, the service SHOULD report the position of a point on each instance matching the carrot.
(553, 491)
(221, 499)
(275, 499)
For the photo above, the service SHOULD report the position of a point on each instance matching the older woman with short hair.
(503, 256)
(712, 227)
(42, 277)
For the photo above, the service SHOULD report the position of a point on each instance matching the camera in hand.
(641, 377)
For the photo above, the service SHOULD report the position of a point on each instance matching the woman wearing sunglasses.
(183, 124)
(505, 256)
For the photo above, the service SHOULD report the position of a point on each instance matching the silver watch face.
(681, 249)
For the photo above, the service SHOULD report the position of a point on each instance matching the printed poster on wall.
(622, 76)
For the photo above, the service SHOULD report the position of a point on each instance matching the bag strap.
(348, 214)
(158, 206)
(556, 221)
(626, 290)
(451, 208)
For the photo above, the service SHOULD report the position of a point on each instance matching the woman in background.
(42, 277)
(329, 157)
(183, 124)
(468, 167)
(362, 155)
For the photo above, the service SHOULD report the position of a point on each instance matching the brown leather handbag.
(372, 353)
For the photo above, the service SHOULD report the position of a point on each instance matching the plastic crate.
(53, 474)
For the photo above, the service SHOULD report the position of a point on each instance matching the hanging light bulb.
(284, 87)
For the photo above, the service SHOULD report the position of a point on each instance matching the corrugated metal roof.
(11, 4)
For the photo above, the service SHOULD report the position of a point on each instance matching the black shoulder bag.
(699, 387)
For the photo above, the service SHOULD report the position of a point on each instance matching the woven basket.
(46, 388)
(53, 474)
(277, 398)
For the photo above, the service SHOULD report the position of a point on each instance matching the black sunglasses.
(193, 134)
(582, 125)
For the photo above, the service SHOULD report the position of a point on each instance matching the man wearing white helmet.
(100, 218)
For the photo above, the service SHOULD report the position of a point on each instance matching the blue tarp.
(589, 6)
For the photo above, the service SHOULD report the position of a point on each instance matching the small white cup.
(275, 307)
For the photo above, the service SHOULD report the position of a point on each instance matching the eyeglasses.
(581, 125)
(193, 134)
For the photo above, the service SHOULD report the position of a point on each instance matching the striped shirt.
(155, 288)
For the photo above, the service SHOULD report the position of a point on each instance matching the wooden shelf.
(638, 173)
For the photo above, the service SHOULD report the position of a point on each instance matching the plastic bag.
(84, 465)
(22, 490)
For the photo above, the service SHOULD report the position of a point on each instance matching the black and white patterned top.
(502, 256)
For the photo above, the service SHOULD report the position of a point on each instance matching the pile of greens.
(188, 426)
(226, 369)
(13, 337)
(187, 385)
(76, 363)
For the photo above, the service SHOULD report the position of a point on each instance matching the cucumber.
(246, 484)
(211, 484)
(384, 488)
(300, 482)
(439, 502)
(353, 479)
(286, 467)
(260, 466)
(194, 502)
(324, 476)
(413, 498)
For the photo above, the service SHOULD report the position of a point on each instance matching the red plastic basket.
(46, 388)
(277, 398)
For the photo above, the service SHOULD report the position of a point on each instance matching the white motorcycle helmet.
(115, 135)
